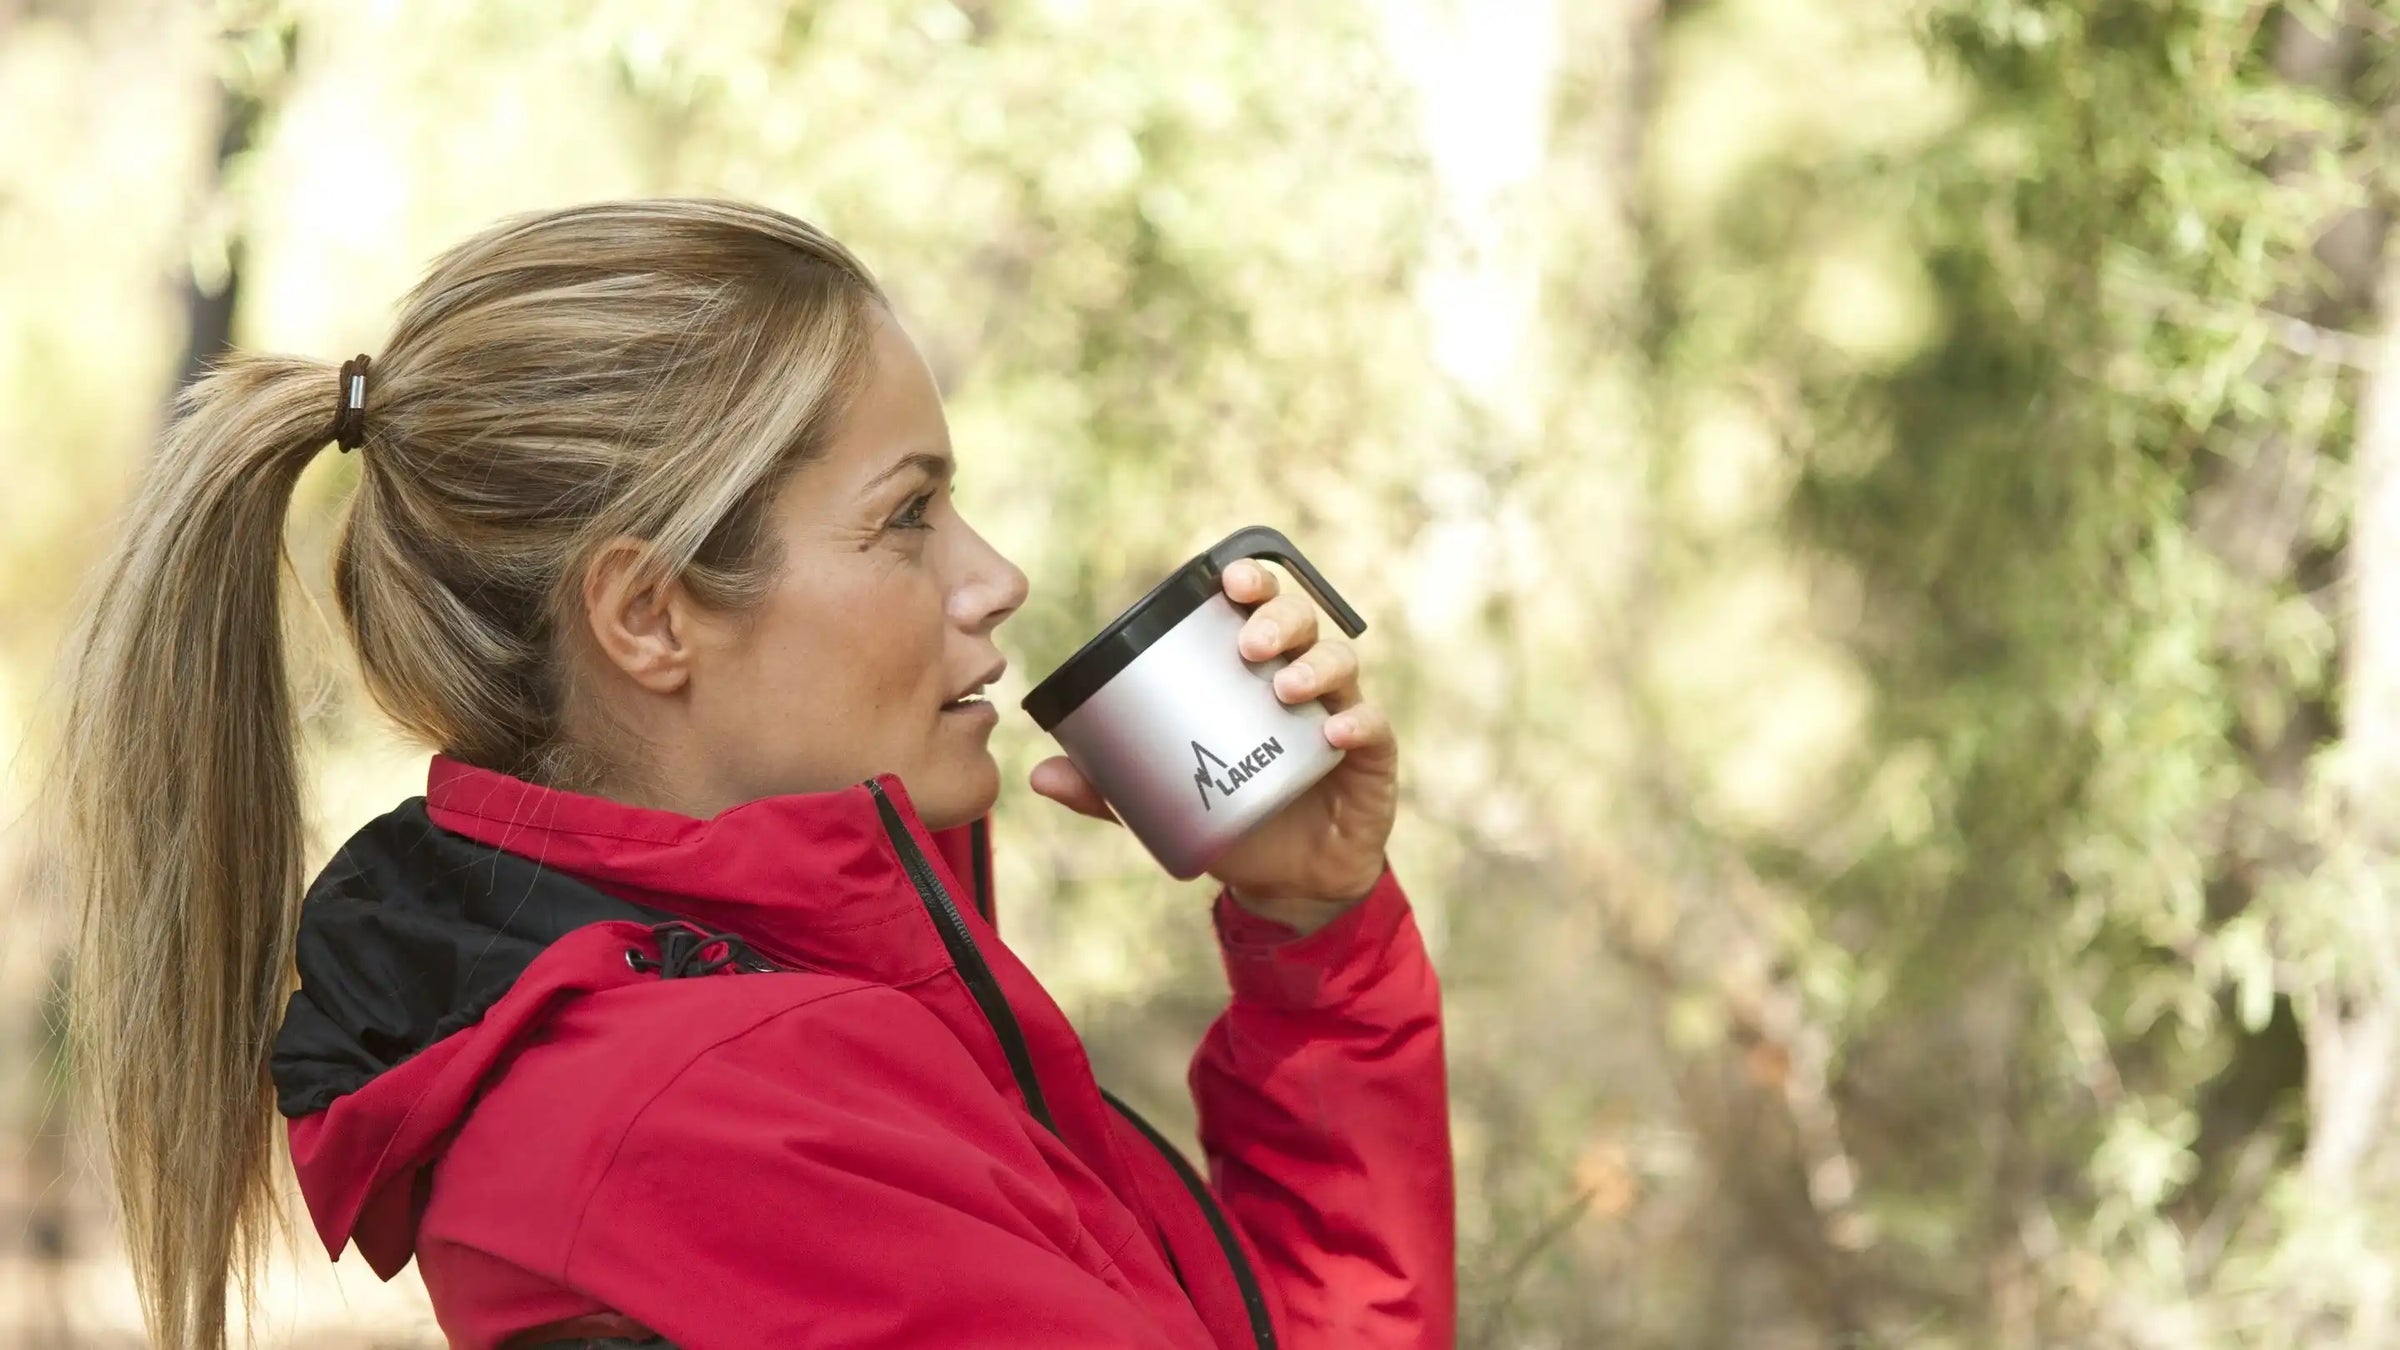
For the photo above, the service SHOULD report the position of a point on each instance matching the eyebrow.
(938, 467)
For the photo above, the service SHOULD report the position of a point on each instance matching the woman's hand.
(1324, 851)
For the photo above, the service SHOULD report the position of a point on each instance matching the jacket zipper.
(979, 855)
(965, 955)
(1254, 1299)
(988, 996)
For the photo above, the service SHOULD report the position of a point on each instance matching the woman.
(673, 1013)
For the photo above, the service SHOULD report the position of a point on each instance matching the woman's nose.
(994, 589)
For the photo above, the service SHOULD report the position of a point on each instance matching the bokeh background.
(1879, 522)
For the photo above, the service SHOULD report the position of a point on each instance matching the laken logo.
(1235, 774)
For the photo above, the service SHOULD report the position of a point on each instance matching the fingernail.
(1268, 636)
(1290, 680)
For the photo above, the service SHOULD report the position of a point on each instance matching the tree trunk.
(2354, 1037)
(209, 301)
(2252, 513)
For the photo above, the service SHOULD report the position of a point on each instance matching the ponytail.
(184, 836)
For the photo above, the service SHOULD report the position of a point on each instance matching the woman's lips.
(976, 709)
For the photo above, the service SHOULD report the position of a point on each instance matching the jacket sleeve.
(1324, 1111)
(862, 1201)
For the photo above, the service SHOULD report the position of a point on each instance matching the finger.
(1058, 779)
(1250, 583)
(1364, 731)
(1287, 623)
(1328, 671)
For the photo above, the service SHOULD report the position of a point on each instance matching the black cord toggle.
(683, 951)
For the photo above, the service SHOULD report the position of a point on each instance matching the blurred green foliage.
(1865, 513)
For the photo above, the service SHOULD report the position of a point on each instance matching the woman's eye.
(914, 517)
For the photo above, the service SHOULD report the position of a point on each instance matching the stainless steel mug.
(1185, 738)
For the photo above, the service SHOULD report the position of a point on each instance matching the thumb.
(1058, 779)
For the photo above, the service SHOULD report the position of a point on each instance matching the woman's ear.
(642, 627)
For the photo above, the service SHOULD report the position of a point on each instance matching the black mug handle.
(1257, 541)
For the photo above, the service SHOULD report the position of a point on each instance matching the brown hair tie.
(350, 409)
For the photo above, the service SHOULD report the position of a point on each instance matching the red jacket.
(772, 1079)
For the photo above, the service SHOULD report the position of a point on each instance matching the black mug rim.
(1127, 636)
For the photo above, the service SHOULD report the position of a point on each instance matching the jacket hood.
(420, 950)
(412, 933)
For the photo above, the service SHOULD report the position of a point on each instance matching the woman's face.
(879, 621)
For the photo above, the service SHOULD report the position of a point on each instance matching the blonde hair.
(654, 369)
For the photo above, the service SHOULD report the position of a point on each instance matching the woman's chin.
(964, 792)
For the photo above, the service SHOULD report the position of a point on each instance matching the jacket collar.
(811, 879)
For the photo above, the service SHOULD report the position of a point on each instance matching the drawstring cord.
(683, 951)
